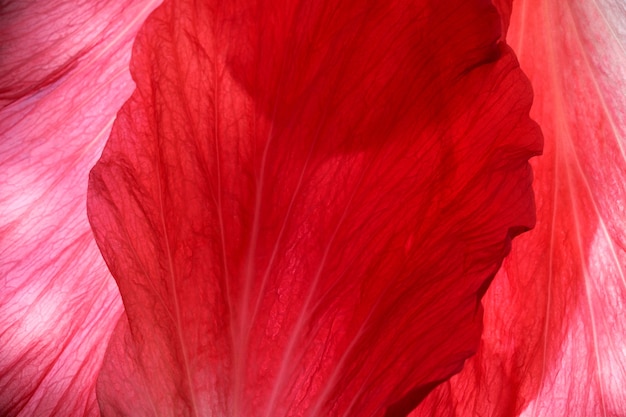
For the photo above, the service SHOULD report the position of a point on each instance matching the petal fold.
(554, 340)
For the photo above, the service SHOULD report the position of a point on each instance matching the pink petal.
(555, 338)
(303, 203)
(62, 77)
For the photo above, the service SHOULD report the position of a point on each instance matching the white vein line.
(217, 195)
(249, 272)
(606, 21)
(332, 380)
(547, 16)
(585, 177)
(330, 384)
(142, 15)
(303, 316)
(172, 277)
(281, 233)
(601, 220)
(607, 112)
(571, 150)
(243, 335)
(550, 273)
(523, 21)
(587, 278)
(182, 69)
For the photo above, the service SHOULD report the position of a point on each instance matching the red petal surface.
(555, 338)
(60, 84)
(303, 202)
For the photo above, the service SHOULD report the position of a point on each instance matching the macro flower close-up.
(270, 208)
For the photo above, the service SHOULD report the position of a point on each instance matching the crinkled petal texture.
(303, 203)
(555, 337)
(63, 74)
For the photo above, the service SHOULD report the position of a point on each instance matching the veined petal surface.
(303, 203)
(63, 75)
(555, 338)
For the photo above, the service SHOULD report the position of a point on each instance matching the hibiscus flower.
(302, 205)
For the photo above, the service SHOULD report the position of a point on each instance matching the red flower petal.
(555, 338)
(303, 203)
(58, 303)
